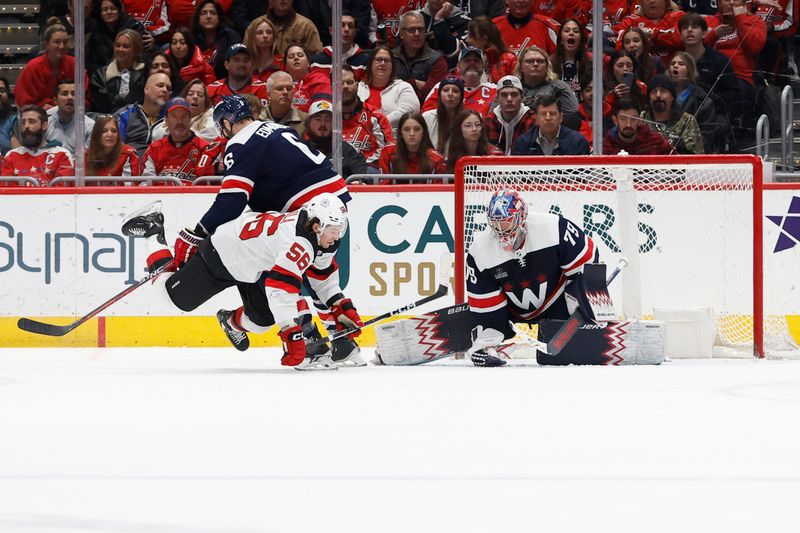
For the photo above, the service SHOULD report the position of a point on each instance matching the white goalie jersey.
(278, 245)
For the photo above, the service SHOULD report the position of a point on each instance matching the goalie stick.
(575, 322)
(42, 328)
(444, 282)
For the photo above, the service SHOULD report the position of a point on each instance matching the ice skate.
(317, 362)
(146, 222)
(238, 338)
(347, 353)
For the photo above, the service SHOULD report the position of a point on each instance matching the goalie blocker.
(446, 332)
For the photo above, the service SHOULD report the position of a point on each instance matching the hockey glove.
(486, 357)
(186, 244)
(346, 316)
(294, 346)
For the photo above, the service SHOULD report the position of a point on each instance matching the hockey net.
(690, 227)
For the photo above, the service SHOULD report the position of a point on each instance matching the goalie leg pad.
(629, 342)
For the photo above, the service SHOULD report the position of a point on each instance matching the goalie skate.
(146, 222)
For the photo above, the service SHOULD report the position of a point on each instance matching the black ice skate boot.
(347, 353)
(146, 222)
(237, 337)
(318, 357)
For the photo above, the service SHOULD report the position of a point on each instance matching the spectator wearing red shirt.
(631, 135)
(559, 10)
(178, 154)
(213, 34)
(500, 61)
(413, 153)
(307, 82)
(478, 95)
(363, 126)
(107, 155)
(522, 29)
(188, 57)
(388, 13)
(660, 22)
(239, 65)
(36, 84)
(151, 13)
(259, 38)
(36, 158)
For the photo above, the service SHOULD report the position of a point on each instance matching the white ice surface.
(210, 440)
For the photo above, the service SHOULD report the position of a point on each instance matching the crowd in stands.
(424, 82)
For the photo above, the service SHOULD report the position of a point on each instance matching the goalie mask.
(331, 212)
(507, 214)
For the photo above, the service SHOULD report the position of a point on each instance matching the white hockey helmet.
(330, 211)
(507, 214)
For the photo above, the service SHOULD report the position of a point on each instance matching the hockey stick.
(575, 322)
(444, 283)
(42, 328)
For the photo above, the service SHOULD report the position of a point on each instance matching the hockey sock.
(157, 254)
(243, 322)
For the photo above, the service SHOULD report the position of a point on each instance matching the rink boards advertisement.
(63, 254)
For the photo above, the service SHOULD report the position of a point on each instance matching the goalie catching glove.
(346, 316)
(294, 346)
(187, 243)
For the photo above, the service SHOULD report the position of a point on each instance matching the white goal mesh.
(685, 224)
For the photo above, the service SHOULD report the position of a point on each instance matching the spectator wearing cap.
(511, 118)
(478, 95)
(352, 54)
(442, 120)
(138, 121)
(415, 61)
(381, 89)
(446, 28)
(630, 134)
(535, 71)
(61, 119)
(239, 80)
(213, 34)
(293, 28)
(196, 93)
(363, 126)
(549, 136)
(319, 135)
(665, 117)
(279, 108)
(179, 153)
(521, 28)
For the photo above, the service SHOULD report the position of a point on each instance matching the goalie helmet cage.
(691, 227)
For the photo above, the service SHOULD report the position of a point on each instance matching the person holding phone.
(621, 81)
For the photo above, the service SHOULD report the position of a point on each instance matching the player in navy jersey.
(519, 269)
(267, 168)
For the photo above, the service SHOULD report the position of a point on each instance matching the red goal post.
(691, 226)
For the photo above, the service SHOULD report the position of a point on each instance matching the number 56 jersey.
(279, 245)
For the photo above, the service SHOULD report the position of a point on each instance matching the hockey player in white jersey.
(283, 246)
(520, 269)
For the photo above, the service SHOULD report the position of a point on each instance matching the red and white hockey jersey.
(43, 164)
(165, 157)
(389, 12)
(151, 13)
(368, 131)
(220, 88)
(278, 244)
(479, 98)
(539, 31)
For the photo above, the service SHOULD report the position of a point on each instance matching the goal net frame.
(481, 174)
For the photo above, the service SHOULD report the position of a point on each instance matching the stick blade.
(40, 328)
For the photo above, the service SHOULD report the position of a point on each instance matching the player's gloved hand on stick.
(187, 243)
(294, 346)
(346, 316)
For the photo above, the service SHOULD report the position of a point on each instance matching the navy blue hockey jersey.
(503, 286)
(269, 169)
